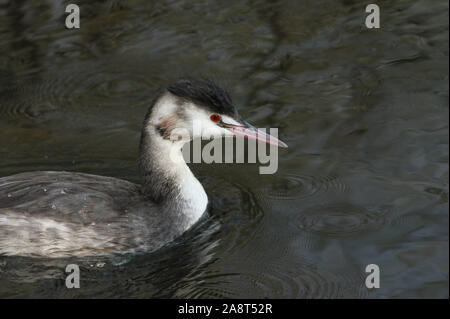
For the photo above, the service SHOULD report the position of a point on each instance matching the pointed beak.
(252, 133)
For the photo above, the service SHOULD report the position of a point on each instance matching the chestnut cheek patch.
(166, 126)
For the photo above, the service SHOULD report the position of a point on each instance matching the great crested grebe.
(62, 214)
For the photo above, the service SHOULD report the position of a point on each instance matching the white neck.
(167, 179)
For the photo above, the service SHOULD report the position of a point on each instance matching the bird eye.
(215, 117)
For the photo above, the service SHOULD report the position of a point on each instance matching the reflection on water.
(364, 112)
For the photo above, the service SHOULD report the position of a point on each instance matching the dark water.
(365, 114)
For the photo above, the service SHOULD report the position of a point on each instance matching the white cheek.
(207, 129)
(202, 126)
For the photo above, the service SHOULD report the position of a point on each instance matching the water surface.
(364, 112)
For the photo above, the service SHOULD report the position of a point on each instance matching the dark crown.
(204, 93)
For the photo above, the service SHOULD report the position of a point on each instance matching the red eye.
(215, 117)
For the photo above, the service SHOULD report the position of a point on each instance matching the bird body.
(62, 214)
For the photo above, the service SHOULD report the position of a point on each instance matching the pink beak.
(252, 133)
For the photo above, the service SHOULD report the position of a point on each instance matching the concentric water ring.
(340, 220)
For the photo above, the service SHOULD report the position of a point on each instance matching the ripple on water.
(341, 219)
(301, 282)
(237, 209)
(293, 187)
(235, 216)
(94, 86)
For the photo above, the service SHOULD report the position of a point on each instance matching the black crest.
(205, 93)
